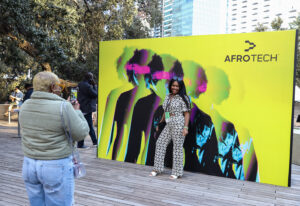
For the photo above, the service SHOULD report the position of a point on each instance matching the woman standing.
(47, 167)
(176, 115)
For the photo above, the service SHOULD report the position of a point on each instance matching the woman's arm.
(162, 118)
(75, 122)
(186, 123)
(164, 108)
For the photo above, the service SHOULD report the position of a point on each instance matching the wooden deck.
(117, 183)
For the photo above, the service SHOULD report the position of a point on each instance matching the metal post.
(19, 134)
(8, 116)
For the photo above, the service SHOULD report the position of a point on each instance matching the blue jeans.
(49, 182)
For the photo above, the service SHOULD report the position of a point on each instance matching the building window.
(168, 7)
(254, 9)
(168, 30)
(254, 19)
(168, 3)
(243, 16)
(234, 14)
(254, 3)
(266, 5)
(167, 22)
(244, 6)
(243, 22)
(291, 17)
(167, 18)
(254, 13)
(168, 13)
(267, 10)
(279, 14)
(266, 17)
(233, 18)
(244, 12)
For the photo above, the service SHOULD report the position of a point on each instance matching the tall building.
(157, 31)
(167, 18)
(192, 17)
(183, 16)
(195, 17)
(244, 15)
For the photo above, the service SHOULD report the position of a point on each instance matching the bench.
(12, 115)
(3, 110)
(15, 111)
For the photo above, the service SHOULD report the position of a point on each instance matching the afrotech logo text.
(251, 57)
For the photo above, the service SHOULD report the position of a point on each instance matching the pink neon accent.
(161, 75)
(202, 87)
(138, 69)
(224, 125)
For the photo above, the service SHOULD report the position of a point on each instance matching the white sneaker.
(174, 177)
(153, 174)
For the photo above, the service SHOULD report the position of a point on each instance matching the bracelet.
(186, 127)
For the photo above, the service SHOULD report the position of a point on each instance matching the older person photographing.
(47, 167)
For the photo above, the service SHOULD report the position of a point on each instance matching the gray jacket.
(42, 132)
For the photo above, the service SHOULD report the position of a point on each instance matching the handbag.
(78, 166)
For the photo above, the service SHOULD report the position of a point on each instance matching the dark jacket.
(87, 97)
(27, 94)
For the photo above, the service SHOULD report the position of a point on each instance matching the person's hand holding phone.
(76, 105)
(92, 81)
(73, 95)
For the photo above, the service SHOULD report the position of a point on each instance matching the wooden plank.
(119, 183)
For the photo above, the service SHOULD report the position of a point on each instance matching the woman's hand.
(186, 123)
(76, 105)
(185, 131)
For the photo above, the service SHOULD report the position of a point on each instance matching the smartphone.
(73, 96)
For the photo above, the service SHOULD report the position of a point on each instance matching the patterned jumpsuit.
(172, 131)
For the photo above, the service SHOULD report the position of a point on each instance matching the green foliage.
(260, 27)
(64, 34)
(276, 24)
(150, 9)
(136, 30)
(37, 32)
